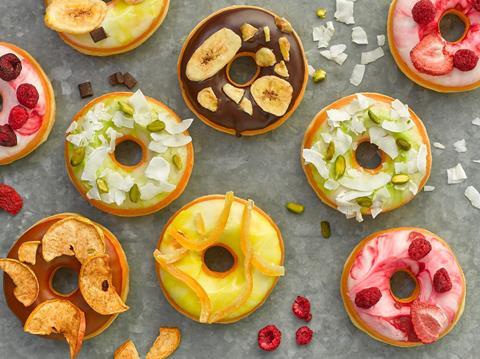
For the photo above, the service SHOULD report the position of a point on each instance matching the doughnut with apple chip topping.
(366, 154)
(391, 313)
(113, 180)
(218, 259)
(209, 70)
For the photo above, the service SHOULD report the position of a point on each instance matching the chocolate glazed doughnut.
(206, 59)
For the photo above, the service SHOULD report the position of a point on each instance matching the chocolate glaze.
(229, 114)
(45, 270)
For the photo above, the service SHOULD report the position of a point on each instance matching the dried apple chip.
(126, 351)
(95, 282)
(26, 282)
(165, 344)
(27, 252)
(58, 316)
(73, 236)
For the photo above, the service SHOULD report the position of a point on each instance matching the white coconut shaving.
(158, 169)
(311, 70)
(429, 188)
(344, 12)
(476, 161)
(357, 74)
(456, 174)
(337, 116)
(460, 146)
(93, 161)
(316, 159)
(171, 140)
(150, 190)
(336, 53)
(439, 145)
(473, 196)
(323, 34)
(365, 182)
(120, 120)
(331, 185)
(143, 113)
(359, 36)
(476, 121)
(384, 141)
(174, 128)
(73, 126)
(371, 56)
(380, 40)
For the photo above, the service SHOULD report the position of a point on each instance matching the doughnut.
(128, 189)
(45, 271)
(434, 306)
(218, 258)
(27, 104)
(122, 26)
(424, 55)
(242, 107)
(366, 154)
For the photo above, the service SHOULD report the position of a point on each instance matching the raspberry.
(301, 308)
(304, 335)
(441, 281)
(10, 200)
(476, 4)
(368, 297)
(423, 12)
(419, 247)
(27, 95)
(10, 67)
(465, 60)
(17, 117)
(269, 338)
(8, 138)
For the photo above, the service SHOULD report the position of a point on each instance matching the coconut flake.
(93, 162)
(371, 56)
(150, 190)
(439, 145)
(335, 53)
(336, 116)
(142, 114)
(384, 141)
(157, 147)
(473, 196)
(316, 159)
(357, 74)
(476, 161)
(118, 187)
(174, 127)
(456, 174)
(343, 142)
(381, 40)
(422, 159)
(120, 120)
(336, 50)
(400, 108)
(311, 70)
(331, 185)
(429, 188)
(476, 121)
(460, 146)
(348, 196)
(344, 12)
(323, 34)
(113, 135)
(73, 126)
(168, 140)
(365, 182)
(397, 126)
(158, 169)
(359, 36)
(357, 125)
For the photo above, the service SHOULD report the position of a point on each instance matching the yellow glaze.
(224, 290)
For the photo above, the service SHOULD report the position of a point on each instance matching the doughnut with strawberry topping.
(27, 104)
(433, 307)
(424, 55)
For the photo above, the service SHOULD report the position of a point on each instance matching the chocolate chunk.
(116, 79)
(85, 89)
(98, 34)
(129, 80)
(105, 285)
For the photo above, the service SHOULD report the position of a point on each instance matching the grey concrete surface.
(265, 168)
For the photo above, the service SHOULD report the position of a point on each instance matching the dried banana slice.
(272, 94)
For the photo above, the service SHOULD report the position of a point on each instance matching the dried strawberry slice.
(269, 338)
(10, 200)
(8, 138)
(430, 57)
(429, 321)
(301, 308)
(404, 323)
(32, 125)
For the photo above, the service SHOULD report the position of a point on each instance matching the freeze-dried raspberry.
(368, 297)
(17, 117)
(476, 4)
(304, 335)
(441, 281)
(10, 200)
(10, 67)
(465, 60)
(8, 138)
(419, 247)
(27, 95)
(423, 12)
(301, 308)
(269, 338)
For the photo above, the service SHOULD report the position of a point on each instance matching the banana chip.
(165, 344)
(26, 282)
(75, 16)
(272, 94)
(73, 236)
(126, 351)
(58, 316)
(95, 282)
(27, 252)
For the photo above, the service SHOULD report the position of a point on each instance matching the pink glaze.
(407, 34)
(387, 254)
(26, 134)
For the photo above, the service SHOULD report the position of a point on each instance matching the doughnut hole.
(368, 156)
(404, 286)
(242, 71)
(219, 260)
(453, 26)
(64, 281)
(129, 152)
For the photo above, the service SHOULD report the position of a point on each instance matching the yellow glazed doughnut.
(232, 225)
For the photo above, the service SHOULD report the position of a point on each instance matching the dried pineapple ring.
(232, 293)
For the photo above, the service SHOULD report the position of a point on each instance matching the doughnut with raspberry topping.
(424, 55)
(27, 113)
(425, 315)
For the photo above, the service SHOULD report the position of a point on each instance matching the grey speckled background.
(264, 168)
